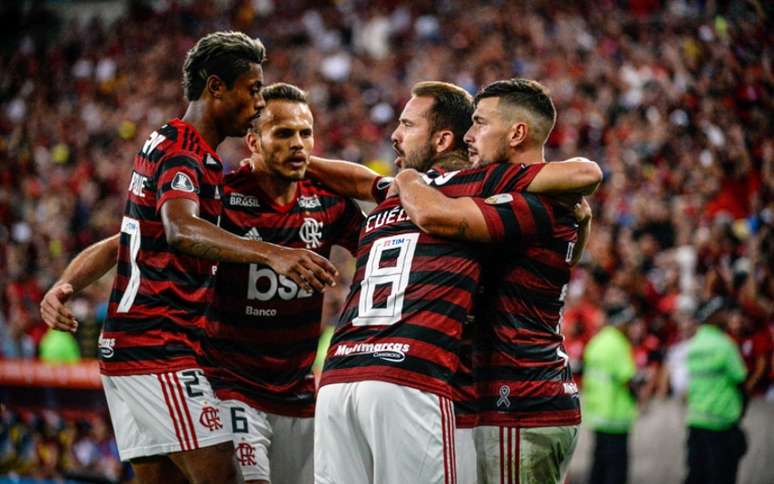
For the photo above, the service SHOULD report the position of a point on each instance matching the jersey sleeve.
(513, 178)
(350, 221)
(380, 188)
(515, 216)
(177, 176)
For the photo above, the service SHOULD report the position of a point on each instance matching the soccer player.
(165, 415)
(386, 385)
(263, 338)
(528, 405)
(262, 335)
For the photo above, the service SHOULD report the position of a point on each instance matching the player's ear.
(518, 134)
(215, 86)
(443, 140)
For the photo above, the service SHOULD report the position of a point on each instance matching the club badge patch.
(499, 199)
(182, 183)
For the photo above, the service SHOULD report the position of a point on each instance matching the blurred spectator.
(716, 373)
(46, 446)
(609, 394)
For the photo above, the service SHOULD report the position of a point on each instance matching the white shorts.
(382, 433)
(526, 455)
(465, 447)
(271, 447)
(158, 414)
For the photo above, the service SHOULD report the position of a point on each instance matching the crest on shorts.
(210, 418)
(245, 454)
(182, 183)
(311, 232)
(499, 199)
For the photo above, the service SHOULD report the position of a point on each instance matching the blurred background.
(672, 98)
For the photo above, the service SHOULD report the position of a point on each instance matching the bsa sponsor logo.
(240, 200)
(182, 183)
(264, 284)
(137, 185)
(210, 418)
(309, 202)
(392, 352)
(106, 347)
(311, 233)
(499, 199)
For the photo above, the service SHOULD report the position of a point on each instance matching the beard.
(420, 159)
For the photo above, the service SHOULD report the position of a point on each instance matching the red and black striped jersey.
(520, 366)
(158, 305)
(464, 391)
(262, 339)
(402, 321)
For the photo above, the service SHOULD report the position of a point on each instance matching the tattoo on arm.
(201, 249)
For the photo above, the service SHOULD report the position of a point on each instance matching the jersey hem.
(440, 390)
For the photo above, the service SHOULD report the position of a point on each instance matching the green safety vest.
(608, 366)
(715, 370)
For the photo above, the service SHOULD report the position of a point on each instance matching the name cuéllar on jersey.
(158, 304)
(412, 292)
(263, 337)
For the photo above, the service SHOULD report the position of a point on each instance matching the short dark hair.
(526, 94)
(227, 55)
(283, 91)
(452, 108)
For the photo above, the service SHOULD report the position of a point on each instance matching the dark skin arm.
(460, 218)
(192, 235)
(348, 179)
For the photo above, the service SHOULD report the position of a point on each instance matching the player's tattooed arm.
(188, 233)
(86, 268)
(577, 175)
(437, 214)
(348, 179)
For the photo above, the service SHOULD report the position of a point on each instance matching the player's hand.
(53, 308)
(582, 211)
(309, 270)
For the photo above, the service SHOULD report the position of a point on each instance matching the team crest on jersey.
(499, 199)
(253, 234)
(311, 232)
(309, 202)
(182, 183)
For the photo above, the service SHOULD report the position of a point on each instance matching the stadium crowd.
(673, 100)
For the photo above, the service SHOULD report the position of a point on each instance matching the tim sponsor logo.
(394, 352)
